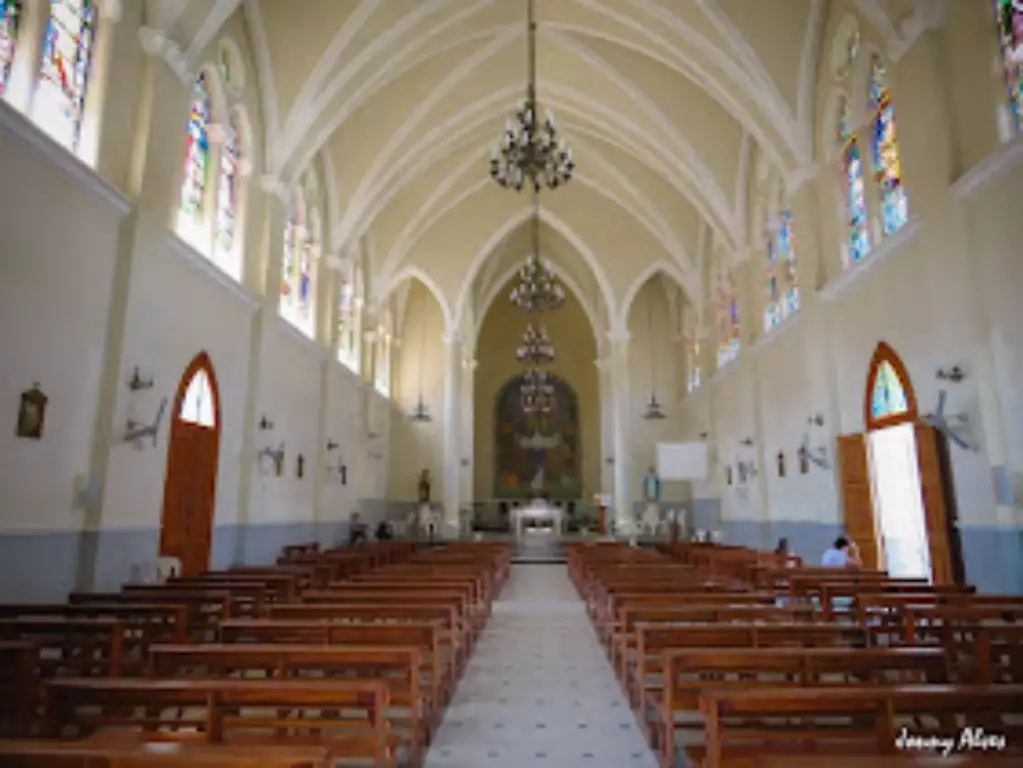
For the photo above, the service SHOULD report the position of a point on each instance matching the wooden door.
(932, 487)
(189, 496)
(860, 521)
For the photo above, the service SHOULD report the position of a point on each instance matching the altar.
(540, 511)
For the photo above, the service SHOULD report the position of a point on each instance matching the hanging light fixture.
(537, 391)
(537, 288)
(421, 413)
(530, 152)
(536, 346)
(653, 410)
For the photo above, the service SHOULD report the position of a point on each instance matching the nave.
(401, 654)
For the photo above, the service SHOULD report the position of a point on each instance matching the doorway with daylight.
(189, 491)
(898, 503)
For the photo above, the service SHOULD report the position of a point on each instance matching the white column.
(468, 426)
(452, 431)
(623, 496)
(606, 424)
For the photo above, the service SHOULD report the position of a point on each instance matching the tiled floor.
(539, 690)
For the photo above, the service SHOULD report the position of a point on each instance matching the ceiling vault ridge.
(381, 77)
(215, 19)
(412, 122)
(689, 69)
(808, 66)
(267, 83)
(645, 275)
(559, 225)
(415, 271)
(562, 274)
(768, 98)
(335, 48)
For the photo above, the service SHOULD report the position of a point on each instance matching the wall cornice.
(200, 263)
(17, 125)
(882, 252)
(988, 170)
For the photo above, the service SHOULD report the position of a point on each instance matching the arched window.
(197, 163)
(727, 306)
(885, 145)
(346, 326)
(197, 407)
(1009, 17)
(298, 275)
(10, 15)
(888, 397)
(857, 244)
(382, 369)
(227, 204)
(64, 73)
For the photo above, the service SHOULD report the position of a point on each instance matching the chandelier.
(536, 347)
(537, 288)
(530, 150)
(537, 391)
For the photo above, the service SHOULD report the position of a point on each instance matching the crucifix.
(539, 444)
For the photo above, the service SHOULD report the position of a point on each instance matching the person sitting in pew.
(356, 531)
(384, 531)
(843, 554)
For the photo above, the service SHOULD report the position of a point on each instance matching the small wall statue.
(424, 487)
(652, 497)
(32, 413)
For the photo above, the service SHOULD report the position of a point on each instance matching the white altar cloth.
(538, 510)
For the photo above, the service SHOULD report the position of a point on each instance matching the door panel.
(189, 487)
(932, 486)
(176, 492)
(857, 500)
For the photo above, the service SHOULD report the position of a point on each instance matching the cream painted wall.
(576, 353)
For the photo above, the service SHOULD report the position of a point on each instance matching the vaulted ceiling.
(665, 103)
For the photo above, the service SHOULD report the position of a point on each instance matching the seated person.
(842, 554)
(383, 532)
(356, 531)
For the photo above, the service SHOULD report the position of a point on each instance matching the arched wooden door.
(189, 489)
(890, 401)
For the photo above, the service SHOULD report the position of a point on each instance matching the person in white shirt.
(841, 555)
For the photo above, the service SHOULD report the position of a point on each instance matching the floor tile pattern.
(539, 690)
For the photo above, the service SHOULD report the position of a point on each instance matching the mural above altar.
(537, 454)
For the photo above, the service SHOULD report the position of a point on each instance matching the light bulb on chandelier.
(536, 347)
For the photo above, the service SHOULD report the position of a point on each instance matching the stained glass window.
(782, 281)
(383, 366)
(692, 361)
(888, 397)
(197, 154)
(309, 250)
(1009, 16)
(64, 72)
(885, 145)
(857, 244)
(346, 323)
(728, 317)
(301, 244)
(10, 15)
(288, 266)
(227, 203)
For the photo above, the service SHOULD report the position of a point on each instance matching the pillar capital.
(271, 184)
(619, 334)
(452, 337)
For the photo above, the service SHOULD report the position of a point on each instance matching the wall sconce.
(748, 442)
(136, 382)
(955, 374)
(265, 424)
(815, 420)
(134, 431)
(747, 471)
(331, 445)
(610, 460)
(703, 435)
(466, 462)
(370, 435)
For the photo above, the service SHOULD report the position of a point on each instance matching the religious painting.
(31, 413)
(537, 454)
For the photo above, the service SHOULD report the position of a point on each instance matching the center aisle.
(539, 690)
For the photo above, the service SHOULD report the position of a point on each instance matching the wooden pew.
(145, 622)
(205, 608)
(70, 645)
(689, 673)
(454, 642)
(19, 685)
(311, 576)
(231, 711)
(136, 753)
(398, 666)
(246, 597)
(280, 586)
(733, 729)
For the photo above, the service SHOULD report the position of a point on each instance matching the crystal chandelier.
(531, 151)
(536, 347)
(537, 288)
(537, 391)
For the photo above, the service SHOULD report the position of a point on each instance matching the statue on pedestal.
(652, 497)
(425, 513)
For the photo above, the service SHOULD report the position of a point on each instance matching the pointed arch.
(885, 146)
(726, 306)
(197, 399)
(889, 398)
(431, 285)
(657, 267)
(301, 245)
(226, 245)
